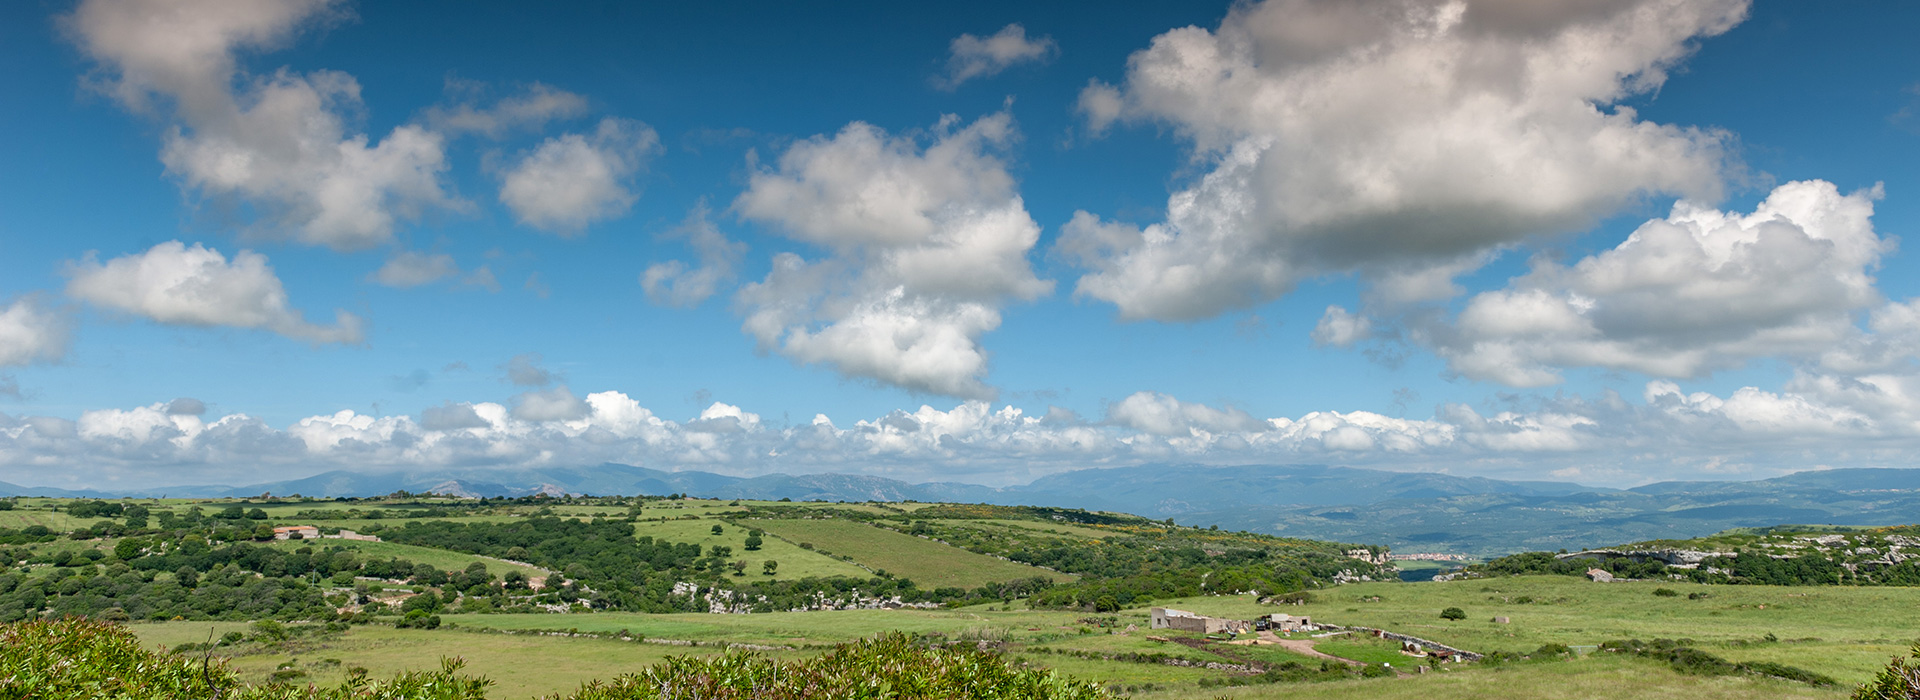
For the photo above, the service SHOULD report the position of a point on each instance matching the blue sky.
(977, 243)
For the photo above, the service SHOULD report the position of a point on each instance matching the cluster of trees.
(1741, 568)
(119, 592)
(196, 576)
(614, 570)
(1122, 572)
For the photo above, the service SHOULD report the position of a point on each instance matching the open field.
(1589, 678)
(439, 558)
(795, 563)
(525, 665)
(52, 520)
(1844, 632)
(521, 666)
(790, 628)
(1061, 529)
(930, 564)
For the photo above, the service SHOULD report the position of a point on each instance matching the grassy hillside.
(929, 564)
(438, 558)
(1844, 632)
(795, 563)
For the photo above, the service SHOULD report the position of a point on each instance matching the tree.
(232, 513)
(128, 548)
(753, 543)
(719, 530)
(1453, 614)
(256, 514)
(767, 567)
(739, 568)
(1106, 603)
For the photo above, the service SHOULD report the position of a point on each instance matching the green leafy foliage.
(891, 667)
(1900, 680)
(78, 659)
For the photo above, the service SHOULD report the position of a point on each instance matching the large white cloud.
(1698, 291)
(573, 180)
(277, 149)
(925, 245)
(29, 333)
(1160, 414)
(1398, 138)
(174, 284)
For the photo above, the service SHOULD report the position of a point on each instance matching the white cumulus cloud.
(174, 284)
(573, 180)
(29, 333)
(1698, 291)
(1401, 139)
(1160, 414)
(925, 246)
(277, 145)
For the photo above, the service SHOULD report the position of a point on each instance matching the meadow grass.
(1366, 650)
(1604, 677)
(521, 666)
(1032, 526)
(442, 559)
(930, 564)
(817, 627)
(1844, 632)
(795, 563)
(53, 520)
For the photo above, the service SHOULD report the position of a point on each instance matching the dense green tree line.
(1741, 568)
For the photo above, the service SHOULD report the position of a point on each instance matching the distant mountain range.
(1407, 511)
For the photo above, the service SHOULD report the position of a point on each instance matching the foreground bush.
(80, 659)
(890, 667)
(1900, 680)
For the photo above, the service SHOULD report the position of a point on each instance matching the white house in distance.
(1168, 618)
(304, 532)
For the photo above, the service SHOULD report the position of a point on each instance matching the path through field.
(1304, 647)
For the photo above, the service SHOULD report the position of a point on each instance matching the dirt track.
(1302, 646)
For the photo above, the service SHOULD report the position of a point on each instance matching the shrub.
(1900, 680)
(1453, 614)
(1666, 593)
(73, 658)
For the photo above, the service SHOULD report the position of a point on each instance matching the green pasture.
(1587, 678)
(929, 564)
(1031, 527)
(521, 666)
(56, 521)
(1844, 632)
(795, 563)
(442, 559)
(792, 628)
